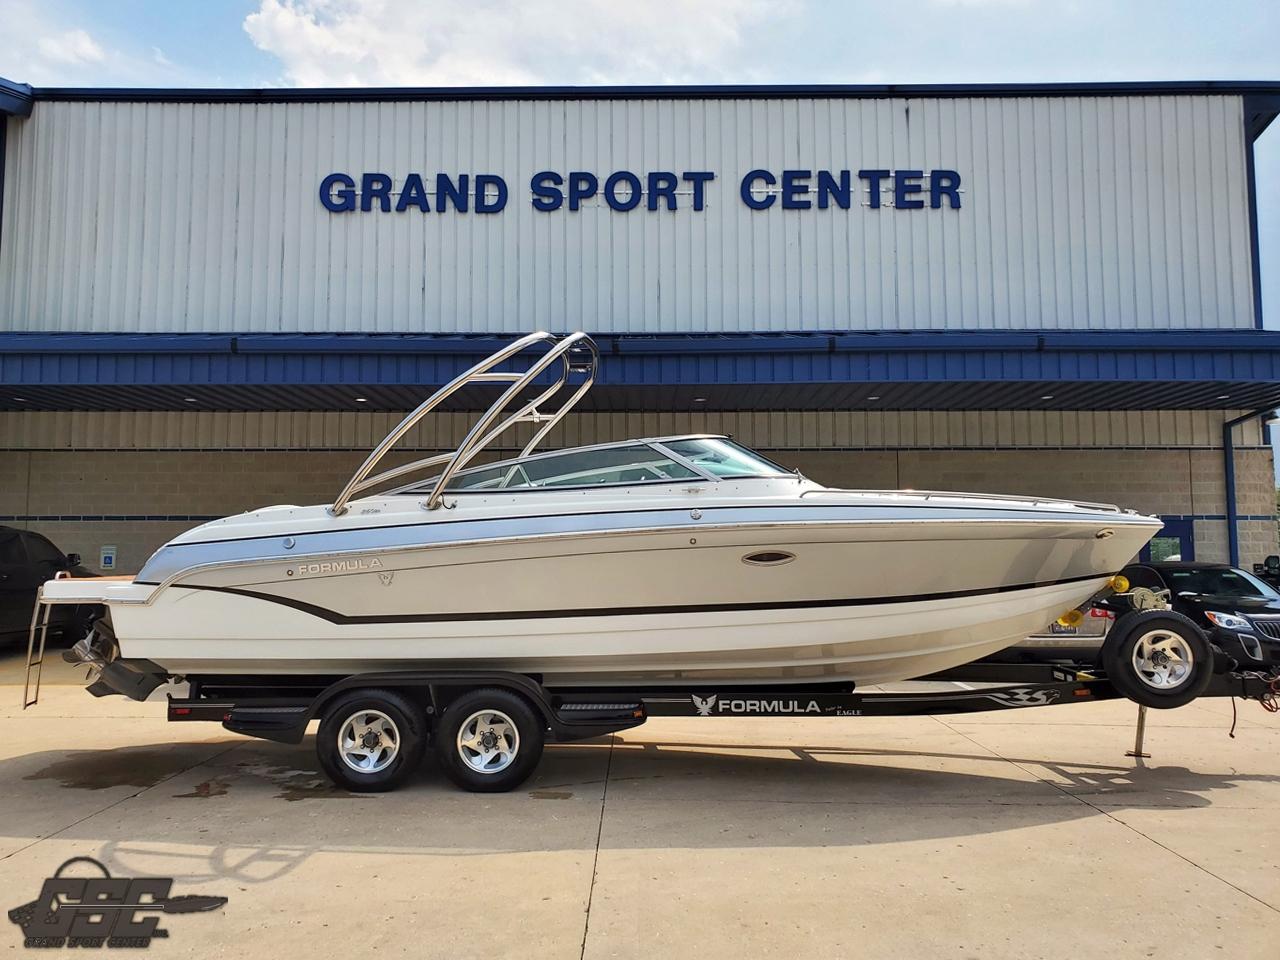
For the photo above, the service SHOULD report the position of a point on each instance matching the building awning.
(15, 99)
(1227, 370)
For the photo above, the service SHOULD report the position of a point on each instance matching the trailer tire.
(379, 730)
(1158, 658)
(489, 740)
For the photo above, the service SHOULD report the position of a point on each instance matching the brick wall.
(142, 483)
(1177, 482)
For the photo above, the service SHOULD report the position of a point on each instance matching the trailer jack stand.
(1140, 736)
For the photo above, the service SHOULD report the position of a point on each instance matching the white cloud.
(74, 48)
(495, 42)
(62, 46)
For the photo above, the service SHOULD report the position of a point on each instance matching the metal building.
(215, 299)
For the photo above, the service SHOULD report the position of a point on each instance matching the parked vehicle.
(1238, 611)
(27, 560)
(1268, 570)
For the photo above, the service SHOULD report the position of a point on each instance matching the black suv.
(1239, 612)
(27, 560)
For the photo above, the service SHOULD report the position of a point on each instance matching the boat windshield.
(627, 464)
(725, 458)
(635, 463)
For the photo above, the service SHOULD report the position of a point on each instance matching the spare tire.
(1158, 658)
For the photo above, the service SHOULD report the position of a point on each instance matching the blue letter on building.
(582, 186)
(699, 179)
(662, 184)
(944, 183)
(903, 185)
(546, 192)
(795, 184)
(447, 193)
(483, 182)
(765, 202)
(375, 186)
(611, 191)
(342, 199)
(413, 194)
(873, 178)
(829, 189)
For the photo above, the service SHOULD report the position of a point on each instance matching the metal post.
(1140, 736)
(1229, 484)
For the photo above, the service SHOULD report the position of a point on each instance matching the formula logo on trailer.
(752, 706)
(704, 706)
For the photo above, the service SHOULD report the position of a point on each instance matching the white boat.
(662, 561)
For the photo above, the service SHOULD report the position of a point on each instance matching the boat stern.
(109, 673)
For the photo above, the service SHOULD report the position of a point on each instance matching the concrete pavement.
(1022, 835)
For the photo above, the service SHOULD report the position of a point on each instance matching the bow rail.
(576, 353)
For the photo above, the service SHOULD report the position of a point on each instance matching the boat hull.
(844, 595)
(864, 642)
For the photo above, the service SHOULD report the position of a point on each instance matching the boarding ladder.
(35, 653)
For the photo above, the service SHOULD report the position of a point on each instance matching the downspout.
(4, 136)
(1229, 474)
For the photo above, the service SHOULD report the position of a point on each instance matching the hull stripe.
(463, 616)
(175, 559)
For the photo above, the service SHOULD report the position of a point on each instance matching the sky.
(268, 43)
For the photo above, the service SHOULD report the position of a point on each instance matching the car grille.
(1268, 628)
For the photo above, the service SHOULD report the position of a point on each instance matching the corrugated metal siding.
(857, 430)
(1079, 212)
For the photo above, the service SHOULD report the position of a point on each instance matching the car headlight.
(1228, 621)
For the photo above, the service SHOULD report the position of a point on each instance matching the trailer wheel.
(370, 740)
(489, 740)
(1158, 658)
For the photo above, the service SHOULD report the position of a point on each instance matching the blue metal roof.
(667, 91)
(903, 371)
(1262, 97)
(15, 98)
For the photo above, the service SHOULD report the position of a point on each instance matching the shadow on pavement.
(253, 812)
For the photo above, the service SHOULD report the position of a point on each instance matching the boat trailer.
(253, 707)
(488, 727)
(281, 713)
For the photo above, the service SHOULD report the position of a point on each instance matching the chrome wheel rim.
(1162, 659)
(488, 741)
(368, 741)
